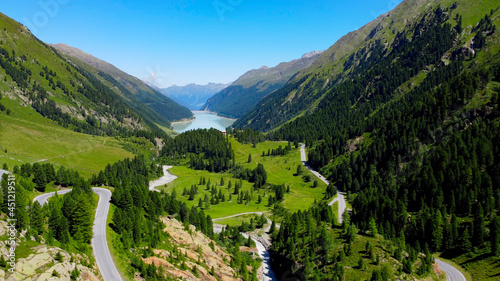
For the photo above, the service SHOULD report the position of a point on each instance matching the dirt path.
(167, 178)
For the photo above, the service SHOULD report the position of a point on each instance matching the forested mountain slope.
(349, 56)
(35, 75)
(403, 115)
(136, 93)
(244, 93)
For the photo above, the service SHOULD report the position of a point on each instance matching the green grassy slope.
(27, 137)
(136, 93)
(36, 81)
(35, 74)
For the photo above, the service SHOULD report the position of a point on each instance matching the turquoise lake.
(204, 120)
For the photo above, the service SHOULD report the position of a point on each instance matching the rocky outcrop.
(42, 266)
(200, 252)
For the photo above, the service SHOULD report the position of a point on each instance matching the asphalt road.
(3, 172)
(452, 274)
(340, 196)
(99, 241)
(263, 243)
(42, 199)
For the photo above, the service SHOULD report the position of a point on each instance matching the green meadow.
(280, 170)
(27, 137)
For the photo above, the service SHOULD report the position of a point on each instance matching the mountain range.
(193, 96)
(244, 93)
(76, 94)
(134, 91)
(401, 116)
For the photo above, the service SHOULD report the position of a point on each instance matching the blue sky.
(196, 41)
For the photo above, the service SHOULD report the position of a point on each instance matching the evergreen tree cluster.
(207, 150)
(428, 179)
(280, 151)
(248, 136)
(258, 175)
(133, 172)
(136, 217)
(14, 68)
(483, 29)
(231, 238)
(63, 218)
(341, 115)
(304, 243)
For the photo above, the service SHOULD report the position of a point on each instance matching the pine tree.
(373, 227)
(437, 231)
(36, 218)
(117, 220)
(64, 230)
(81, 219)
(20, 213)
(361, 264)
(454, 227)
(101, 179)
(58, 257)
(465, 244)
(407, 266)
(479, 226)
(3, 262)
(299, 170)
(40, 178)
(5, 193)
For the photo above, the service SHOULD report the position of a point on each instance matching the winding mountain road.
(42, 199)
(452, 274)
(340, 196)
(110, 272)
(99, 241)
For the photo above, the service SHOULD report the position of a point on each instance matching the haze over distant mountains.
(193, 96)
(243, 94)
